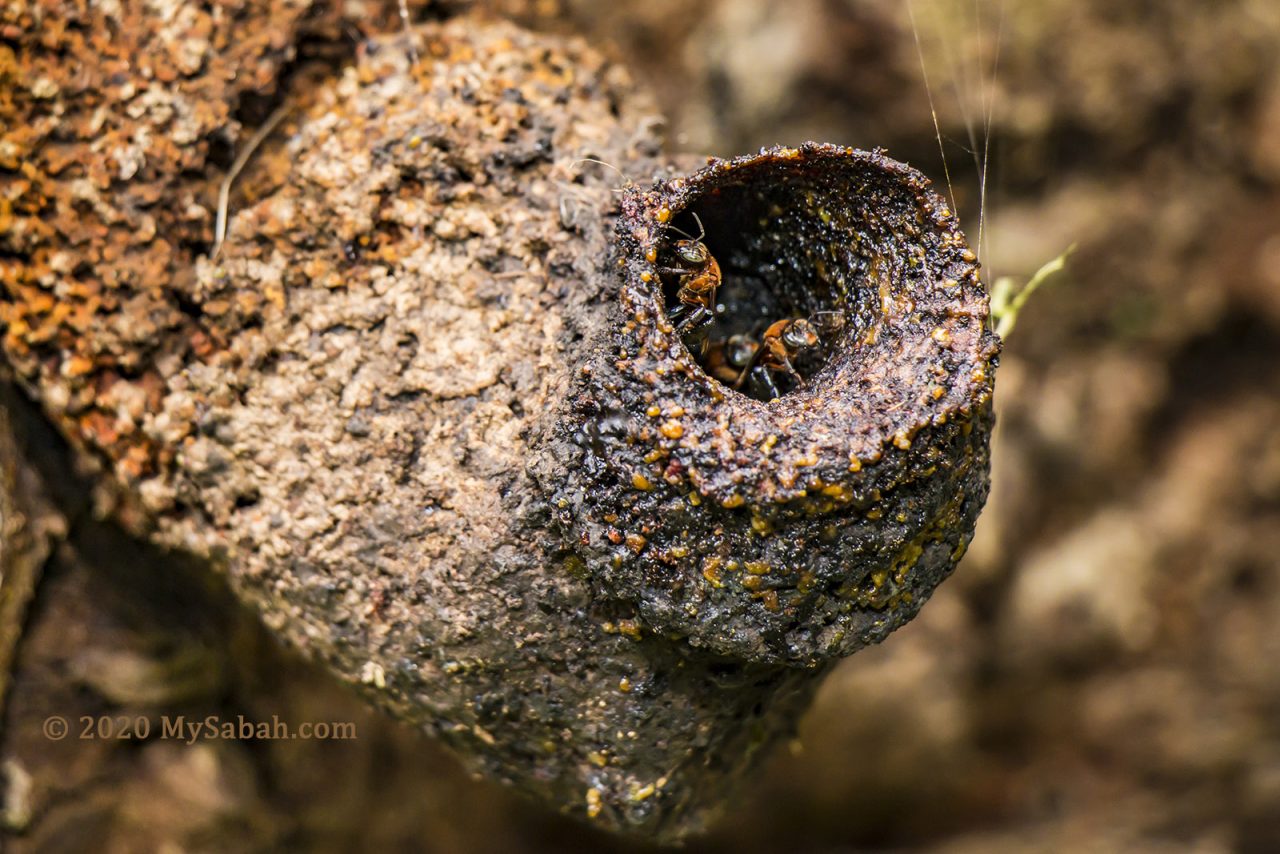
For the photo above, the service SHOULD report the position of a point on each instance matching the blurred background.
(1103, 671)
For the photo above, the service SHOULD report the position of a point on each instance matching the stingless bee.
(828, 324)
(699, 279)
(727, 358)
(782, 342)
(697, 271)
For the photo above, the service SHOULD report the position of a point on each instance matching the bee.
(783, 342)
(828, 324)
(699, 279)
(727, 358)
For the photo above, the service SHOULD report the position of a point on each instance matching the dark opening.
(791, 248)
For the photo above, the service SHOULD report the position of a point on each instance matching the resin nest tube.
(792, 504)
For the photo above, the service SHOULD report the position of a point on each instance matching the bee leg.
(766, 379)
(791, 369)
(695, 318)
(749, 368)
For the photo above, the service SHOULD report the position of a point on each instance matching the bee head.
(692, 252)
(800, 335)
(740, 349)
(827, 323)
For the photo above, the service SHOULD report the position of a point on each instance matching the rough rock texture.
(126, 637)
(109, 115)
(337, 408)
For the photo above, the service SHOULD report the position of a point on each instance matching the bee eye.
(694, 253)
(800, 334)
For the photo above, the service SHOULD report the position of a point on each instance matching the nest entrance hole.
(790, 245)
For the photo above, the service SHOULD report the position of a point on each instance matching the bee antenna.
(702, 232)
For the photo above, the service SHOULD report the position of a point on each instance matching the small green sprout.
(1007, 300)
